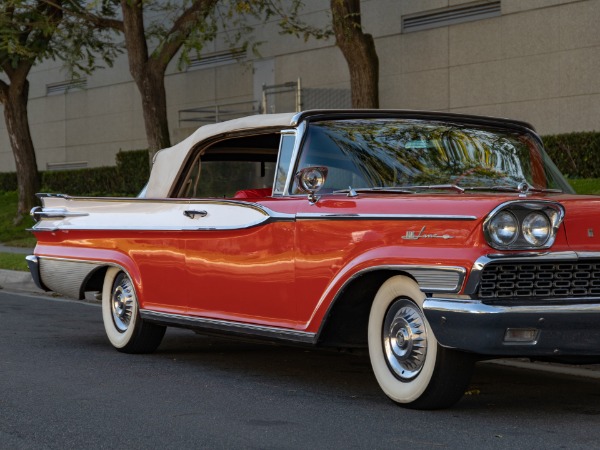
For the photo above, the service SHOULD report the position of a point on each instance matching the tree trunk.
(14, 98)
(154, 105)
(359, 50)
(148, 76)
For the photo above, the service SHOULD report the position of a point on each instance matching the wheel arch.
(346, 320)
(94, 281)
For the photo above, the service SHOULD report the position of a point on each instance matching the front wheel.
(125, 329)
(409, 364)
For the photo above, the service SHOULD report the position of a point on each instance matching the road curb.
(18, 281)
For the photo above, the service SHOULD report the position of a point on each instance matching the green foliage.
(13, 261)
(93, 182)
(577, 155)
(127, 178)
(8, 231)
(590, 186)
(133, 168)
(8, 181)
(34, 30)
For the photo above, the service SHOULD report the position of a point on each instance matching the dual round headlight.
(505, 229)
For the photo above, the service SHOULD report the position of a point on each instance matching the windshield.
(394, 153)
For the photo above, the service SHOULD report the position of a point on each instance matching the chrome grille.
(562, 279)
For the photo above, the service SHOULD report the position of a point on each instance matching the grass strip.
(13, 261)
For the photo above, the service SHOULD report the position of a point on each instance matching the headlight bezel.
(551, 212)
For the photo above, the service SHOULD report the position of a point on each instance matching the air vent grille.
(65, 86)
(451, 16)
(216, 59)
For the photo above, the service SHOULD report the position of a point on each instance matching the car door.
(240, 264)
(240, 258)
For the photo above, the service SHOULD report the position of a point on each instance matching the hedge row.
(127, 178)
(577, 155)
(8, 181)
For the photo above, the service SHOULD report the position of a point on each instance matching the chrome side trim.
(65, 276)
(482, 261)
(42, 195)
(216, 325)
(34, 268)
(121, 214)
(477, 307)
(325, 216)
(39, 213)
(300, 131)
(435, 279)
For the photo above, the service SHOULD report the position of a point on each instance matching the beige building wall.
(537, 61)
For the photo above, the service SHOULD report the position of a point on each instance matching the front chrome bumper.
(560, 329)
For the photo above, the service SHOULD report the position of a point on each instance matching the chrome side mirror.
(311, 180)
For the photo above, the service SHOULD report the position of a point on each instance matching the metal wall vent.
(65, 86)
(451, 16)
(67, 165)
(216, 59)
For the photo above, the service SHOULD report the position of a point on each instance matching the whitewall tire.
(410, 366)
(124, 327)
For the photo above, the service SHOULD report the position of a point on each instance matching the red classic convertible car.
(431, 239)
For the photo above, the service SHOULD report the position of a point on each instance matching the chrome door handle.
(192, 214)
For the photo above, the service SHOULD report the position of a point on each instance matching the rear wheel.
(409, 364)
(125, 329)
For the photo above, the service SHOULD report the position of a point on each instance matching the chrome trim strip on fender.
(216, 325)
(326, 216)
(482, 261)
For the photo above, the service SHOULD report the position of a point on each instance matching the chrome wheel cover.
(122, 303)
(404, 339)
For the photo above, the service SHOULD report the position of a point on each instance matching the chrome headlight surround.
(537, 223)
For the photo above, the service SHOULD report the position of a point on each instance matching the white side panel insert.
(72, 213)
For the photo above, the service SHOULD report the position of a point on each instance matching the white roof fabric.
(168, 162)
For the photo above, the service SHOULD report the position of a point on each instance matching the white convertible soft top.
(168, 162)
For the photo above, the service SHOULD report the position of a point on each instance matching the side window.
(283, 164)
(241, 167)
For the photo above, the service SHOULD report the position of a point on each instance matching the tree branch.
(180, 31)
(76, 10)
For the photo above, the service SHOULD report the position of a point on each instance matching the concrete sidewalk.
(21, 250)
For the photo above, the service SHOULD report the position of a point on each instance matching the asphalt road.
(63, 386)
